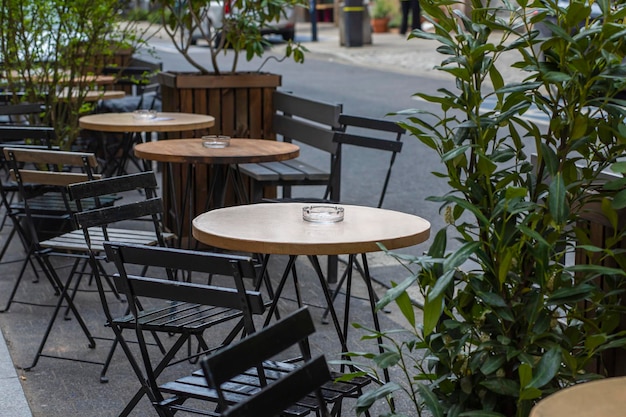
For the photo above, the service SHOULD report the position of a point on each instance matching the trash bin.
(367, 27)
(353, 16)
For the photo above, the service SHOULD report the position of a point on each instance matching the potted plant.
(233, 27)
(520, 297)
(240, 101)
(380, 11)
(47, 45)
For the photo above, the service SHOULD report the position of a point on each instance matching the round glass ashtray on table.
(144, 114)
(322, 213)
(215, 141)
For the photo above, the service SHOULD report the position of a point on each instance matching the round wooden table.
(191, 153)
(164, 122)
(279, 229)
(93, 95)
(240, 151)
(601, 398)
(133, 129)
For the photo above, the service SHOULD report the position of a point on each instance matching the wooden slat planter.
(242, 105)
(599, 230)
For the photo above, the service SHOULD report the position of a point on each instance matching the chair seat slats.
(75, 240)
(193, 317)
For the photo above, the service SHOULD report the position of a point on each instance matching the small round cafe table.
(133, 127)
(191, 152)
(600, 398)
(163, 122)
(93, 95)
(279, 229)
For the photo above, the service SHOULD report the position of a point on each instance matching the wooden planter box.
(599, 230)
(242, 104)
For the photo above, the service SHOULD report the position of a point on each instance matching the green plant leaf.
(365, 401)
(571, 294)
(546, 369)
(448, 156)
(430, 400)
(403, 301)
(619, 201)
(556, 199)
(387, 359)
(432, 312)
(595, 340)
(442, 284)
(492, 364)
(525, 372)
(492, 299)
(530, 393)
(481, 413)
(502, 386)
(461, 255)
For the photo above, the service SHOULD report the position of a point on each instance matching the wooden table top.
(279, 229)
(164, 122)
(601, 398)
(97, 79)
(240, 151)
(94, 95)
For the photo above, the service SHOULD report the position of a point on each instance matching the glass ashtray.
(215, 141)
(144, 114)
(322, 214)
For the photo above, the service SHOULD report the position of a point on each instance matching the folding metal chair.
(102, 223)
(55, 170)
(180, 308)
(19, 135)
(249, 379)
(368, 133)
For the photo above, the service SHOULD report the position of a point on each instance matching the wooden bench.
(312, 125)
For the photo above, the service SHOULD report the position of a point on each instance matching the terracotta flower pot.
(380, 25)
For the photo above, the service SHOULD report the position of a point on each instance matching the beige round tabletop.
(279, 229)
(240, 151)
(163, 122)
(601, 398)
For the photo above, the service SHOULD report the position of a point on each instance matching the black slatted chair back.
(255, 352)
(377, 134)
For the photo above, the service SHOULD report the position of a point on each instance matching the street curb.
(12, 401)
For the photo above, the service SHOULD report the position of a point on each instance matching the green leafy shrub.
(509, 317)
(239, 33)
(45, 43)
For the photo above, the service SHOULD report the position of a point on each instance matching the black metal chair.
(248, 378)
(54, 170)
(98, 224)
(378, 135)
(19, 135)
(270, 388)
(44, 210)
(57, 170)
(180, 308)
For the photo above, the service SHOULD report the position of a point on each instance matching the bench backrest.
(307, 121)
